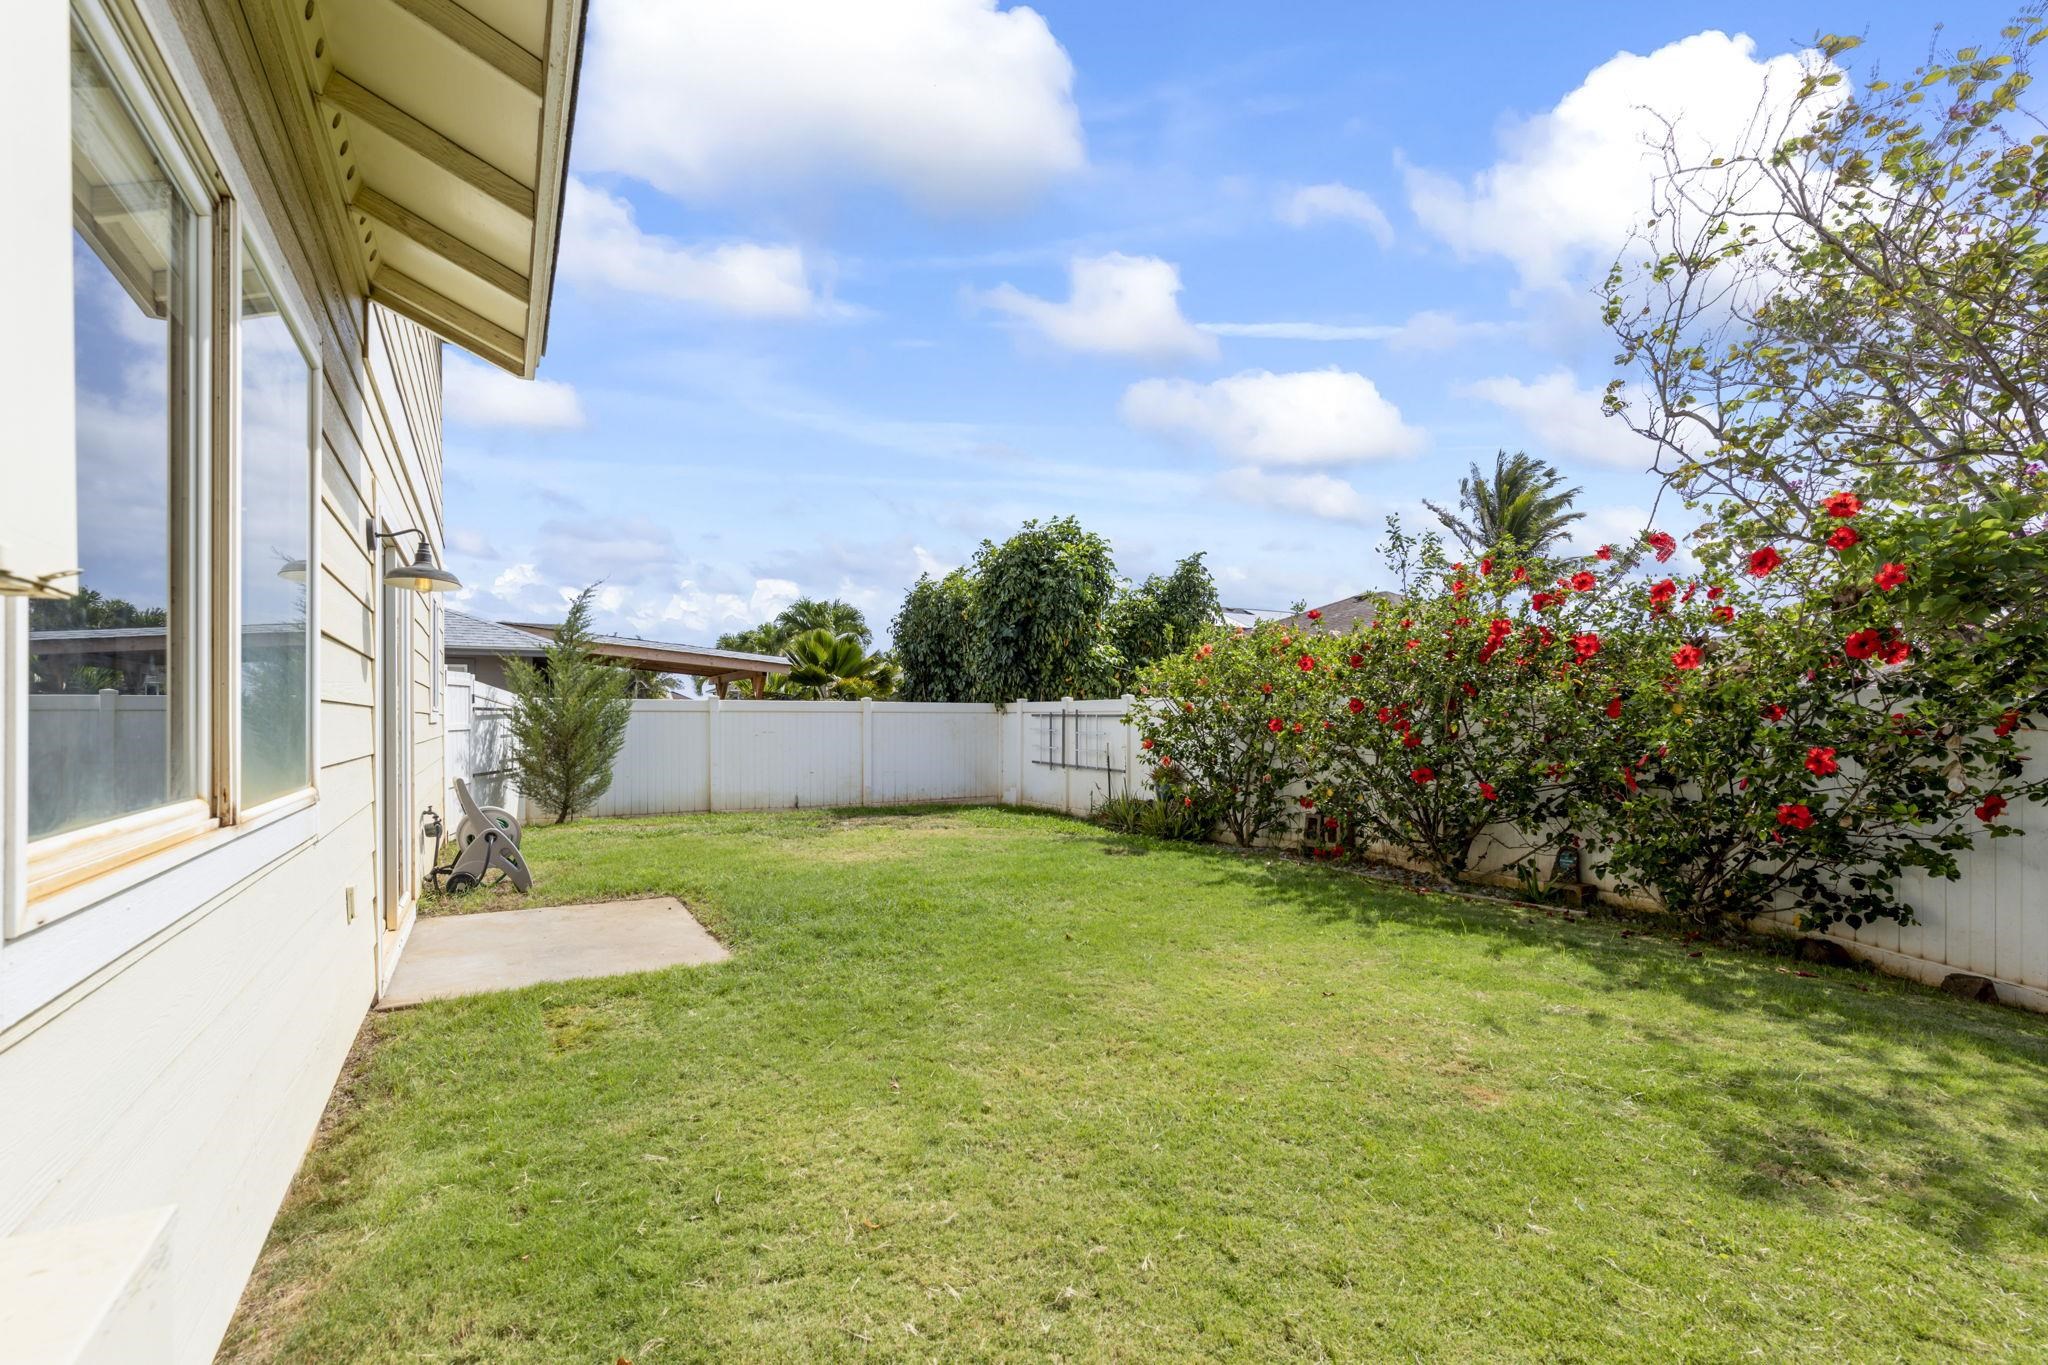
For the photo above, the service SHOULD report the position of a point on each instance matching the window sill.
(70, 937)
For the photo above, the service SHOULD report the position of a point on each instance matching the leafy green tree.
(1524, 502)
(569, 716)
(1847, 305)
(1040, 605)
(1161, 615)
(933, 634)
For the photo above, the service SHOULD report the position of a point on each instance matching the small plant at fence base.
(1217, 733)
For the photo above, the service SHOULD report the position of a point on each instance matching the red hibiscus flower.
(1724, 613)
(1586, 645)
(1820, 761)
(1862, 644)
(1583, 581)
(1773, 712)
(1165, 760)
(1539, 601)
(1188, 706)
(1356, 704)
(1663, 590)
(1357, 661)
(1329, 822)
(1487, 793)
(1486, 566)
(1614, 708)
(1423, 774)
(1521, 574)
(1662, 543)
(1686, 656)
(1844, 505)
(1266, 688)
(1897, 652)
(1314, 614)
(1714, 593)
(1144, 744)
(1306, 663)
(1890, 577)
(1305, 803)
(1604, 552)
(1842, 538)
(1763, 561)
(1992, 807)
(1411, 740)
(1628, 777)
(2007, 723)
(1276, 725)
(1795, 815)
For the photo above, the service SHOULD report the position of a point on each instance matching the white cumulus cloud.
(1314, 495)
(1308, 417)
(485, 396)
(1338, 202)
(1562, 419)
(959, 104)
(1573, 181)
(1116, 305)
(603, 244)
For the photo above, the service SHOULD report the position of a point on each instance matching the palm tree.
(822, 664)
(813, 613)
(1524, 502)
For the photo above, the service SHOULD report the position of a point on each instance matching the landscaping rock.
(1970, 987)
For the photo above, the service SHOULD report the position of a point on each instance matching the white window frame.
(62, 861)
(228, 465)
(144, 871)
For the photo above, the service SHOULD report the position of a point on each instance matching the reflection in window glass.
(110, 686)
(274, 454)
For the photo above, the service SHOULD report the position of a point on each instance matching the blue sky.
(846, 289)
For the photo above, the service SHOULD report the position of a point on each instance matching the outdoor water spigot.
(430, 824)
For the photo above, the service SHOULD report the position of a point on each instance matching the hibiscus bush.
(1217, 723)
(1770, 733)
(1421, 734)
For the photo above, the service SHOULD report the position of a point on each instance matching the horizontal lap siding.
(208, 1056)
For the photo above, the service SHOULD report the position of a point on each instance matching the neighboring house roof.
(448, 133)
(1344, 613)
(1244, 618)
(464, 634)
(467, 636)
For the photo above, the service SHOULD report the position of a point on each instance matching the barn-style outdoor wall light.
(423, 574)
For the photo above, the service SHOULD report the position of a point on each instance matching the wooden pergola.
(720, 667)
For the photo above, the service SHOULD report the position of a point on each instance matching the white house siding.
(190, 1070)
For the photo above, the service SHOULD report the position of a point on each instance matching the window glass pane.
(275, 459)
(111, 697)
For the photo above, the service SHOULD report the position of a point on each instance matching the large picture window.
(274, 452)
(173, 692)
(116, 705)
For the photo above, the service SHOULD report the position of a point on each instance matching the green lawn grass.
(992, 1084)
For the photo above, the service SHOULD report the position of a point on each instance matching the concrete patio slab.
(452, 955)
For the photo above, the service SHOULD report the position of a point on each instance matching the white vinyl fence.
(709, 754)
(478, 744)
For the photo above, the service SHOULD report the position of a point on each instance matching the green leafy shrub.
(1219, 725)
